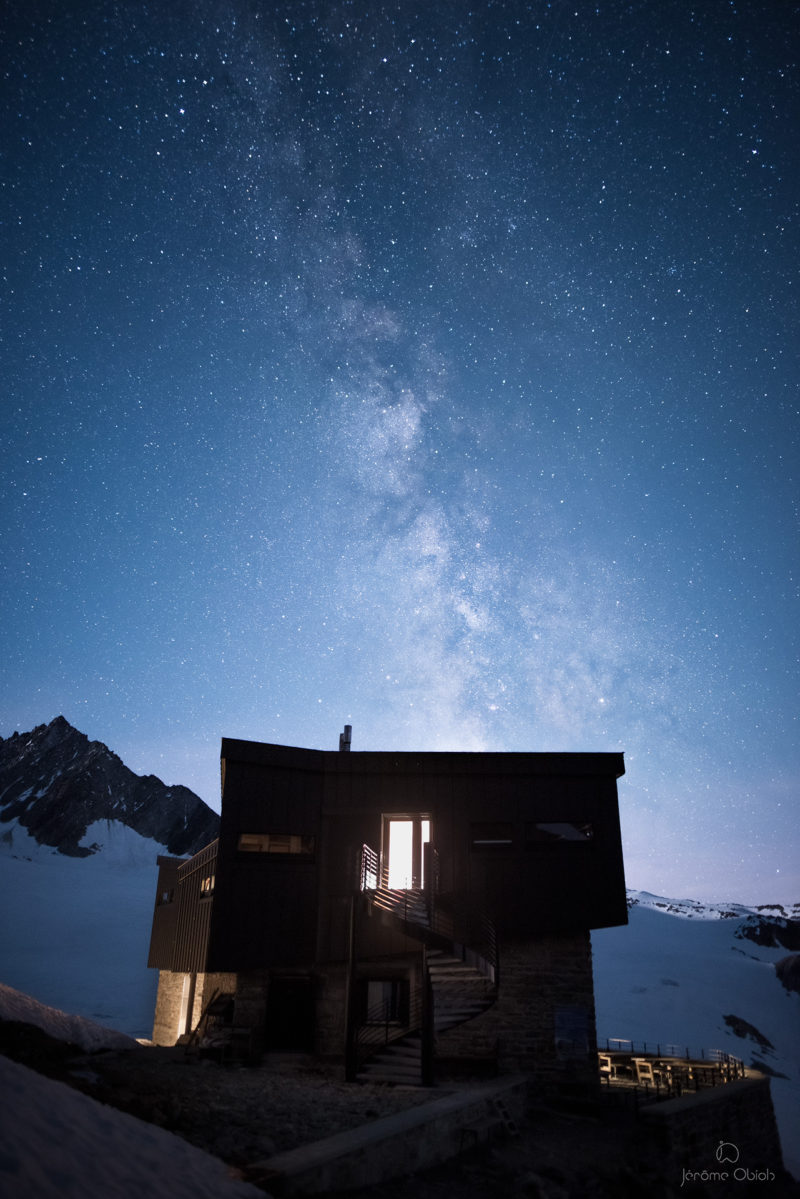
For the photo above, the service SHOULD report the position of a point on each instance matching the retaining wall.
(721, 1138)
(394, 1146)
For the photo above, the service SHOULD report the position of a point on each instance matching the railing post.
(350, 1050)
(429, 880)
(427, 1023)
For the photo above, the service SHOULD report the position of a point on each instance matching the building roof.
(428, 762)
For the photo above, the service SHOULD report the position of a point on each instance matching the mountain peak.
(55, 782)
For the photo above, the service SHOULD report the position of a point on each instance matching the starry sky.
(429, 367)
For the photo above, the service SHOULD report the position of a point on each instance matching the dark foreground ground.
(245, 1114)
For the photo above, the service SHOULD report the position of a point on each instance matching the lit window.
(207, 884)
(499, 835)
(548, 831)
(283, 843)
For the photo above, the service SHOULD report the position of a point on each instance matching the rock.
(56, 782)
(742, 1028)
(770, 931)
(788, 971)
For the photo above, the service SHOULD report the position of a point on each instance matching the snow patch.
(689, 909)
(94, 1151)
(120, 845)
(76, 931)
(75, 1030)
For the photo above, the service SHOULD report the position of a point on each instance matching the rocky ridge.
(55, 783)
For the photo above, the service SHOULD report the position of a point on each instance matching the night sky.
(429, 367)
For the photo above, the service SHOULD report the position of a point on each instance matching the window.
(207, 884)
(283, 843)
(546, 832)
(165, 897)
(499, 835)
(385, 1000)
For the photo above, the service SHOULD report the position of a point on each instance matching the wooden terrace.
(665, 1072)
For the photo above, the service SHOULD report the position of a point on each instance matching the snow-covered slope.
(63, 1026)
(695, 975)
(75, 931)
(56, 1143)
(79, 838)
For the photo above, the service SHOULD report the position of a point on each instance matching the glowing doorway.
(403, 854)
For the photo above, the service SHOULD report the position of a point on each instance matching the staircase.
(399, 1063)
(460, 991)
(462, 983)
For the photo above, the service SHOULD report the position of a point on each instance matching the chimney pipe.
(345, 738)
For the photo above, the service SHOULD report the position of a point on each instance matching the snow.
(95, 1152)
(121, 846)
(677, 969)
(75, 931)
(75, 1030)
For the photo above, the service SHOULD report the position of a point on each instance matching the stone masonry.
(170, 996)
(543, 1022)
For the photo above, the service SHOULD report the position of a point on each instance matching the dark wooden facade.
(531, 840)
(182, 916)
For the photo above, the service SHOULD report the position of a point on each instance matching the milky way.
(427, 367)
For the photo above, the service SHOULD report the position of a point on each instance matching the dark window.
(385, 1000)
(546, 832)
(282, 843)
(499, 835)
(165, 897)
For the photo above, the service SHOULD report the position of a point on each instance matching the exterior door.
(290, 1015)
(403, 855)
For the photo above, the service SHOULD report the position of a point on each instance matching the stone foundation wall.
(719, 1139)
(168, 1006)
(331, 1009)
(169, 998)
(252, 991)
(206, 986)
(543, 1022)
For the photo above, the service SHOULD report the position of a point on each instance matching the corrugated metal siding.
(194, 911)
(165, 915)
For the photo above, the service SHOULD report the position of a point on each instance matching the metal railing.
(370, 869)
(379, 1028)
(437, 922)
(433, 918)
(647, 1071)
(203, 858)
(658, 1049)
